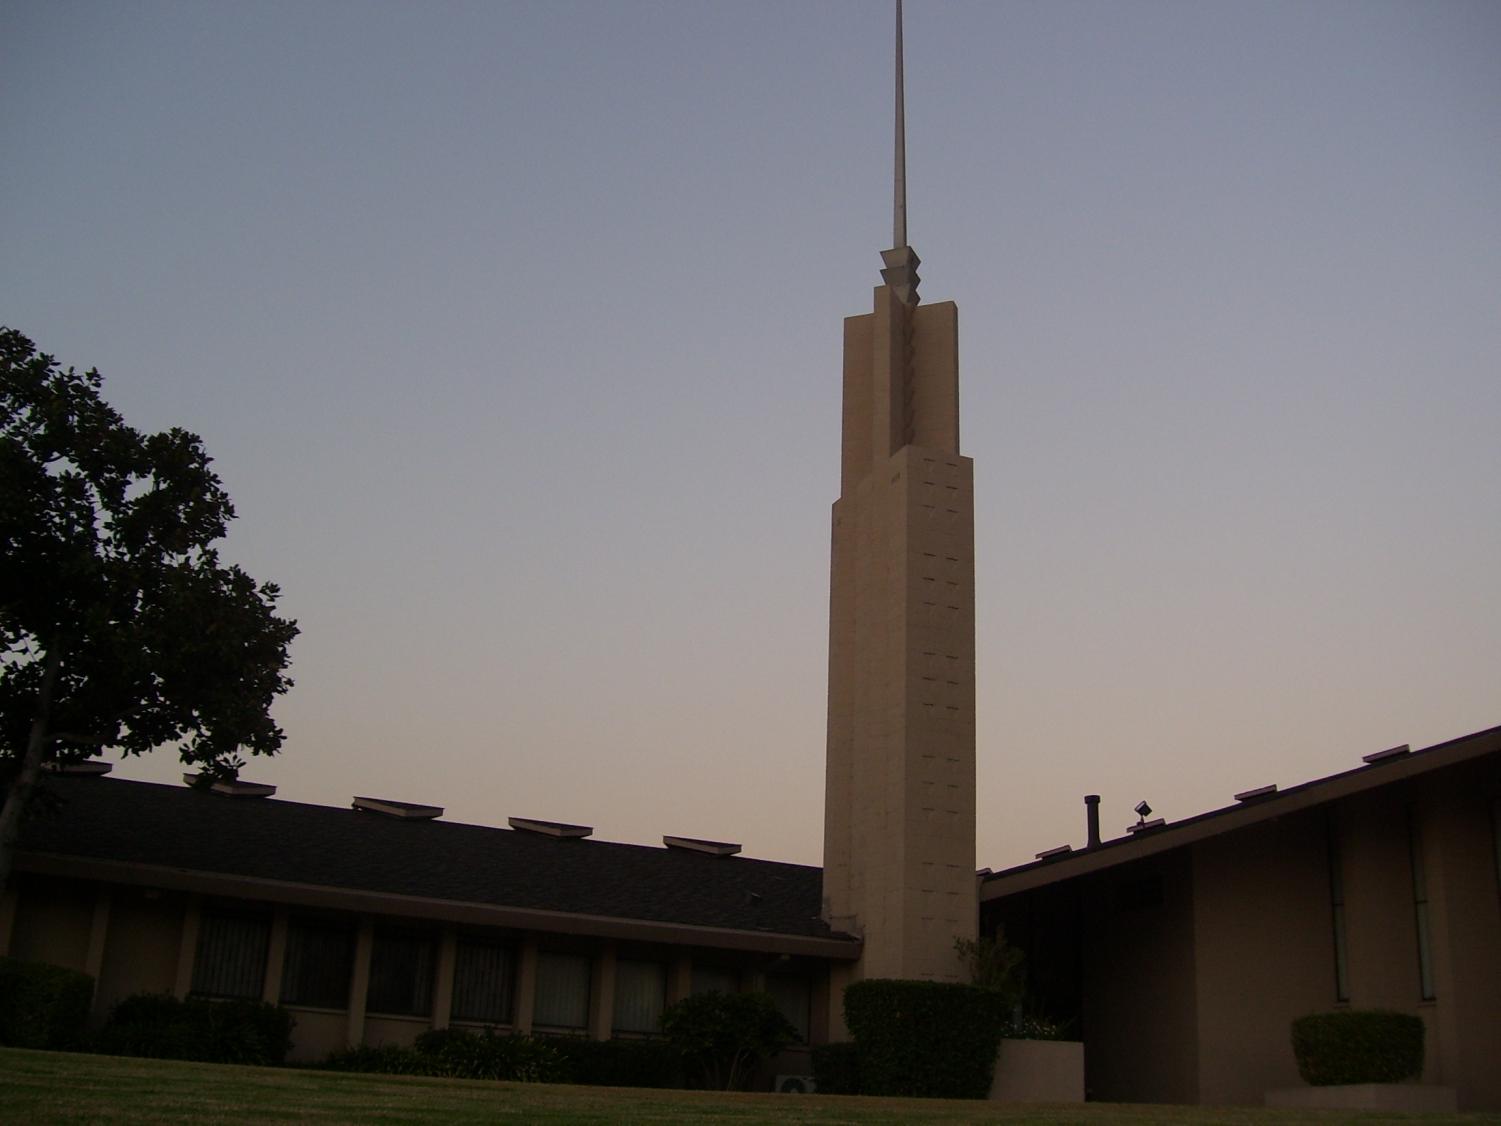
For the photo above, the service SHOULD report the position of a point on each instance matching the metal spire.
(901, 260)
(899, 192)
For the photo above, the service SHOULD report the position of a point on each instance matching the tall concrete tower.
(899, 804)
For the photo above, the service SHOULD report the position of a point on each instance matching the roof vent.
(1389, 753)
(1143, 826)
(1259, 792)
(1048, 854)
(549, 828)
(402, 810)
(234, 788)
(693, 844)
(87, 766)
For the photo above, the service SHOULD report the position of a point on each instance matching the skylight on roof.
(549, 828)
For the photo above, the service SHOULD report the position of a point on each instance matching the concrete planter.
(1405, 1098)
(1039, 1071)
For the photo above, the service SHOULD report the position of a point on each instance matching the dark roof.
(1383, 769)
(176, 827)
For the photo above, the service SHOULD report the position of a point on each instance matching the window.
(714, 979)
(401, 974)
(1337, 904)
(231, 956)
(640, 994)
(562, 991)
(1420, 905)
(1496, 837)
(484, 975)
(319, 961)
(794, 1000)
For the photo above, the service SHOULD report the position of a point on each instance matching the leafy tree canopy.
(119, 626)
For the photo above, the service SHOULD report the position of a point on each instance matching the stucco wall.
(1264, 952)
(1139, 1017)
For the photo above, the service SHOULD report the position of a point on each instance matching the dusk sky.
(514, 330)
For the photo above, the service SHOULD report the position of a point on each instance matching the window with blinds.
(484, 977)
(640, 995)
(401, 974)
(319, 961)
(714, 979)
(562, 991)
(794, 1000)
(231, 957)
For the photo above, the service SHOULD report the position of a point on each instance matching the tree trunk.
(19, 794)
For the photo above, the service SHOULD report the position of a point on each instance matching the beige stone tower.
(899, 805)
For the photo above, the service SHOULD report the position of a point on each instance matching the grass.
(54, 1087)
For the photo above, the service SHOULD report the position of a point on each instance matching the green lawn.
(46, 1087)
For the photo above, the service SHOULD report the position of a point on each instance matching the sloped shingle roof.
(177, 827)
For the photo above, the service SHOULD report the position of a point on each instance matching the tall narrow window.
(320, 958)
(1496, 838)
(1420, 905)
(1337, 907)
(794, 1000)
(231, 956)
(640, 995)
(401, 974)
(562, 991)
(484, 975)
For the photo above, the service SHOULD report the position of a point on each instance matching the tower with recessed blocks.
(899, 816)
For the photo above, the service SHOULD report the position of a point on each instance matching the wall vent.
(693, 844)
(1259, 792)
(87, 766)
(402, 810)
(549, 828)
(235, 788)
(1389, 753)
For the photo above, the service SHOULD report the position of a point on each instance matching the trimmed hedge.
(43, 1006)
(159, 1026)
(836, 1068)
(1358, 1046)
(925, 1038)
(723, 1037)
(458, 1053)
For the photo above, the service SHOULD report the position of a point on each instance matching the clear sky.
(514, 330)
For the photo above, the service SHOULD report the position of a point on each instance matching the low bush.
(43, 1006)
(836, 1068)
(160, 1026)
(1358, 1046)
(620, 1063)
(723, 1037)
(457, 1053)
(925, 1038)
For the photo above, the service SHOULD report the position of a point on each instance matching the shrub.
(620, 1063)
(836, 1068)
(1358, 1046)
(387, 1059)
(43, 1006)
(458, 1053)
(160, 1026)
(925, 1038)
(1034, 1028)
(723, 1036)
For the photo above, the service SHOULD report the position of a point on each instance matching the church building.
(1178, 953)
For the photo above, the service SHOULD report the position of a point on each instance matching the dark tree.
(119, 626)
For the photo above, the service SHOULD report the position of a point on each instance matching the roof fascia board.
(437, 910)
(1122, 850)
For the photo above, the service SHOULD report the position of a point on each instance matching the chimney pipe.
(1092, 812)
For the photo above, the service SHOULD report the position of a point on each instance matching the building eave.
(455, 912)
